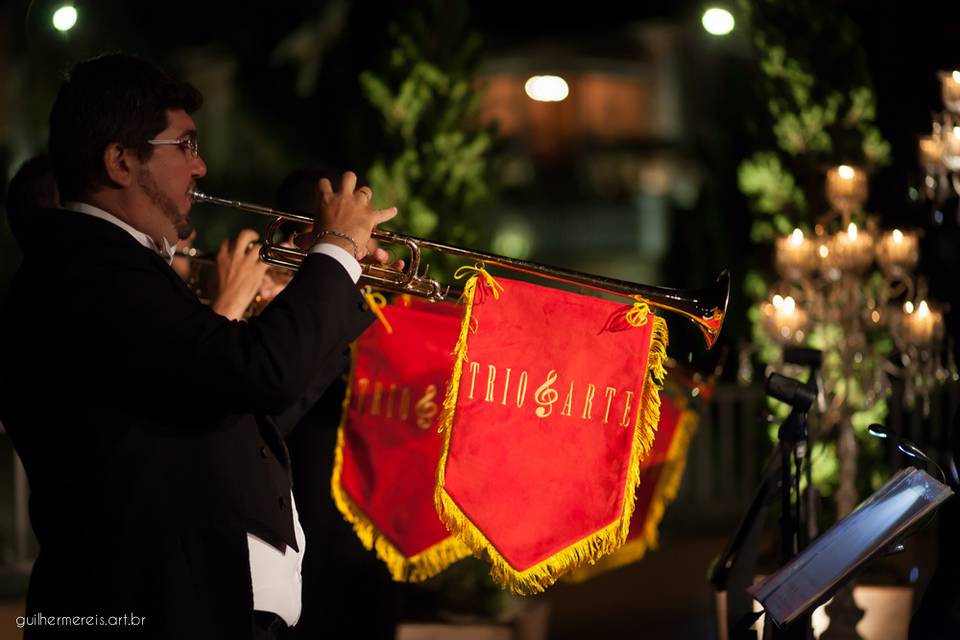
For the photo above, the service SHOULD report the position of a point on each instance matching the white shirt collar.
(165, 251)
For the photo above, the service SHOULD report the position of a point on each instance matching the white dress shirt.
(275, 575)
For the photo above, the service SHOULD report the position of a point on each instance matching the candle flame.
(922, 309)
(956, 76)
(823, 251)
(956, 132)
(852, 231)
(846, 171)
(777, 301)
(908, 307)
(796, 238)
(897, 236)
(789, 305)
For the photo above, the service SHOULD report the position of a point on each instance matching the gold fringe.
(459, 357)
(539, 577)
(668, 485)
(418, 568)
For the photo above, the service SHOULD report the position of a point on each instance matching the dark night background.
(257, 127)
(904, 44)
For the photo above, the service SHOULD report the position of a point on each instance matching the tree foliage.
(436, 159)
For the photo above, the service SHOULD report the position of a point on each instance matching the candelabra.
(940, 151)
(827, 283)
(850, 289)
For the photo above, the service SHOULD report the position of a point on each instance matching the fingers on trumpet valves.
(348, 182)
(382, 215)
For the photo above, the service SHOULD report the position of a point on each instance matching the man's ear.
(117, 162)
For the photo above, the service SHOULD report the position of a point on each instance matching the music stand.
(879, 523)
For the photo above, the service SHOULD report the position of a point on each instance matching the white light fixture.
(547, 88)
(64, 18)
(717, 21)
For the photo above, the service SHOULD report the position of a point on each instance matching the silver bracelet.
(338, 234)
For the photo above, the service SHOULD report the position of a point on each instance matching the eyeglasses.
(187, 143)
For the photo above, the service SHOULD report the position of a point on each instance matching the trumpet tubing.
(705, 307)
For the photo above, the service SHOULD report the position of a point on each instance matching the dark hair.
(33, 187)
(298, 191)
(110, 99)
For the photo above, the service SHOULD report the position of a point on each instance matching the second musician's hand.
(239, 275)
(378, 256)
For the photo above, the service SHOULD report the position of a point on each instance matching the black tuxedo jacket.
(347, 590)
(141, 417)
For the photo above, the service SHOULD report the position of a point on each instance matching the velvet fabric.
(389, 444)
(660, 475)
(546, 420)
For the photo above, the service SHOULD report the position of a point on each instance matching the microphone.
(791, 391)
(812, 359)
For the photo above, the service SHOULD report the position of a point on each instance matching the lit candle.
(921, 325)
(846, 188)
(795, 255)
(951, 148)
(783, 319)
(897, 251)
(851, 250)
(950, 90)
(931, 153)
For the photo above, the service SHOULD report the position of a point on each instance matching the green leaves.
(817, 118)
(770, 187)
(777, 65)
(875, 148)
(436, 161)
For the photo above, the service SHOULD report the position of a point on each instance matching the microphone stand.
(793, 444)
(733, 571)
(792, 437)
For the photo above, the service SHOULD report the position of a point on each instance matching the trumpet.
(705, 307)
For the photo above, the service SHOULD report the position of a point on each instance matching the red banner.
(553, 402)
(660, 475)
(388, 444)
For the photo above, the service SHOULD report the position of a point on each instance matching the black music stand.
(876, 527)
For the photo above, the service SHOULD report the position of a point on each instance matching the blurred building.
(601, 153)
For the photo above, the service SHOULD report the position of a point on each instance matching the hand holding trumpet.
(240, 275)
(346, 217)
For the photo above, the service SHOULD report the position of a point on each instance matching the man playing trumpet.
(241, 280)
(160, 488)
